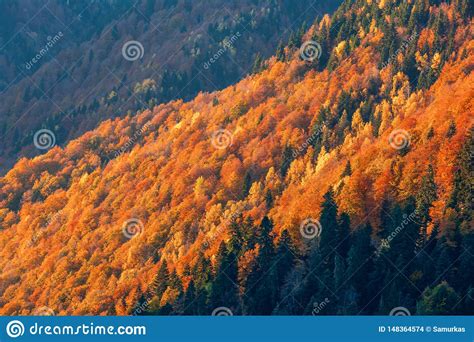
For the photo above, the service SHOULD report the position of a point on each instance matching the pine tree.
(343, 235)
(284, 257)
(329, 228)
(269, 199)
(360, 263)
(190, 307)
(286, 159)
(339, 282)
(441, 300)
(424, 199)
(258, 65)
(247, 184)
(280, 53)
(347, 170)
(430, 134)
(260, 292)
(161, 280)
(462, 197)
(224, 289)
(201, 271)
(175, 282)
(451, 130)
(409, 63)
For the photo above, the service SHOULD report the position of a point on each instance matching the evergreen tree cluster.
(342, 271)
(409, 17)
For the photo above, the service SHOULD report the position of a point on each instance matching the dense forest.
(335, 179)
(80, 78)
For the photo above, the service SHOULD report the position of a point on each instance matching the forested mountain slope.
(65, 66)
(332, 185)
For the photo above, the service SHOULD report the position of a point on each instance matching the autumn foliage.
(61, 214)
